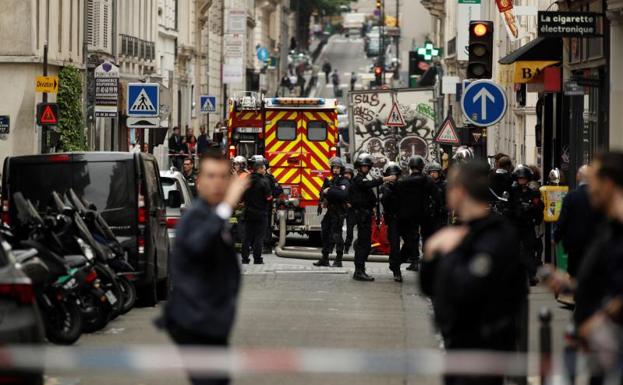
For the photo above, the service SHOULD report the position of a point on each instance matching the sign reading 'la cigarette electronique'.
(568, 24)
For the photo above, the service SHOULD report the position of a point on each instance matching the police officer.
(239, 165)
(349, 173)
(188, 170)
(391, 207)
(257, 200)
(473, 272)
(418, 198)
(440, 215)
(526, 212)
(363, 201)
(276, 191)
(334, 194)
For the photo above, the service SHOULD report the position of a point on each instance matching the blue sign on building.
(143, 99)
(483, 103)
(207, 103)
(263, 54)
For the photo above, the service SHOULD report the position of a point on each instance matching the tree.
(70, 124)
(305, 8)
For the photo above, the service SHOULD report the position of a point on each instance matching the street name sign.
(483, 103)
(5, 124)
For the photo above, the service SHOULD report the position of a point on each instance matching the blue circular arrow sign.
(263, 54)
(483, 103)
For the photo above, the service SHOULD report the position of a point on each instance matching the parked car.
(177, 196)
(125, 189)
(20, 322)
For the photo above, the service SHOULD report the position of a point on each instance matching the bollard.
(570, 354)
(545, 344)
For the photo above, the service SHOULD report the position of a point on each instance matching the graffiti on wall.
(398, 144)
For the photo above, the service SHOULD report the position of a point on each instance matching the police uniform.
(363, 201)
(391, 207)
(191, 179)
(350, 216)
(477, 291)
(336, 199)
(526, 212)
(257, 199)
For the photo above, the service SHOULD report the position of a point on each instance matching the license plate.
(111, 297)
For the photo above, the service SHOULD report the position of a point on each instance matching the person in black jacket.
(473, 272)
(334, 196)
(176, 148)
(391, 208)
(418, 197)
(204, 267)
(203, 141)
(526, 212)
(440, 213)
(257, 200)
(501, 178)
(276, 191)
(363, 201)
(349, 173)
(577, 223)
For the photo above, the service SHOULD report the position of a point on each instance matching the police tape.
(210, 362)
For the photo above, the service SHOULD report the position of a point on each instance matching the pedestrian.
(300, 82)
(419, 199)
(256, 202)
(203, 141)
(526, 212)
(391, 207)
(353, 80)
(335, 80)
(349, 173)
(285, 84)
(326, 68)
(176, 148)
(334, 194)
(190, 175)
(577, 223)
(598, 289)
(440, 214)
(364, 201)
(473, 273)
(239, 165)
(202, 304)
(191, 142)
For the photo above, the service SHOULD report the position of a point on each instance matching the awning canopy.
(539, 49)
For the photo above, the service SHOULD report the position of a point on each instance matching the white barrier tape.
(212, 362)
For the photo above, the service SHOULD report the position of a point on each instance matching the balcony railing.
(134, 47)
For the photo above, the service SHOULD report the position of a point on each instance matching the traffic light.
(378, 75)
(379, 4)
(480, 64)
(47, 114)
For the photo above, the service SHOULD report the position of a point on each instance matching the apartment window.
(60, 25)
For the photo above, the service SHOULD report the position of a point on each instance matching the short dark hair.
(610, 166)
(188, 158)
(474, 177)
(505, 163)
(212, 154)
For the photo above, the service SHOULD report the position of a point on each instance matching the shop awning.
(530, 60)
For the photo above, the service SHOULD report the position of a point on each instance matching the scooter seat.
(75, 260)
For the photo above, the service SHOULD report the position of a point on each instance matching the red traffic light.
(378, 71)
(480, 29)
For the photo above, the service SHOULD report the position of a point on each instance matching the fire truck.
(298, 136)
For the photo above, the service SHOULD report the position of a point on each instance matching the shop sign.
(527, 71)
(568, 24)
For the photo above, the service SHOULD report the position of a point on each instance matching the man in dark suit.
(203, 141)
(204, 266)
(176, 148)
(577, 222)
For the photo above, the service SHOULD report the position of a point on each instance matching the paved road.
(289, 303)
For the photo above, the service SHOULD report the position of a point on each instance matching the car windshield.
(106, 184)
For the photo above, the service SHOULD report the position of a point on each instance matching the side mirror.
(174, 200)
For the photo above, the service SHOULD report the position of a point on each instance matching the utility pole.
(399, 35)
(44, 131)
(382, 41)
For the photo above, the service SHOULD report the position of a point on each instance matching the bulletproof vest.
(362, 197)
(413, 197)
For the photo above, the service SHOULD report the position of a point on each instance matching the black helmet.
(364, 159)
(336, 162)
(392, 168)
(349, 169)
(416, 162)
(523, 171)
(433, 166)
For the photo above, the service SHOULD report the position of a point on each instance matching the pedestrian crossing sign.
(143, 99)
(395, 119)
(447, 133)
(208, 104)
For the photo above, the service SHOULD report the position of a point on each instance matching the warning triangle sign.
(447, 133)
(395, 119)
(142, 103)
(47, 114)
(477, 136)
